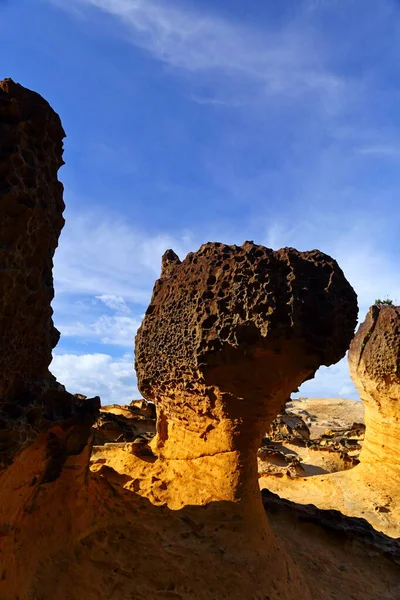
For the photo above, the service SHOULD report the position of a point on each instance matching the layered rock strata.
(31, 219)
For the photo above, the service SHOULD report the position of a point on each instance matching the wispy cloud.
(100, 255)
(111, 330)
(294, 74)
(280, 61)
(114, 302)
(385, 151)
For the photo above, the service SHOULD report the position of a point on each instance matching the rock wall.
(31, 208)
(31, 219)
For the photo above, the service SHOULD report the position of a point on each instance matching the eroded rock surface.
(229, 333)
(288, 450)
(116, 423)
(371, 489)
(31, 209)
(224, 312)
(374, 360)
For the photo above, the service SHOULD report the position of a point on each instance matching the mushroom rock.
(229, 333)
(31, 219)
(374, 361)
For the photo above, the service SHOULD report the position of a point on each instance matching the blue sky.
(190, 121)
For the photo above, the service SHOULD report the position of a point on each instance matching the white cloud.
(118, 331)
(103, 256)
(102, 375)
(281, 62)
(114, 302)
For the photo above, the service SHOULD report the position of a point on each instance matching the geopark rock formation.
(371, 489)
(31, 208)
(229, 333)
(374, 361)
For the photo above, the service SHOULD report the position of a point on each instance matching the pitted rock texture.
(31, 208)
(31, 219)
(374, 360)
(371, 489)
(230, 331)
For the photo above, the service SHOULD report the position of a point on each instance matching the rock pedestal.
(229, 333)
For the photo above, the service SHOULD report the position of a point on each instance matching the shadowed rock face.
(31, 208)
(229, 333)
(374, 360)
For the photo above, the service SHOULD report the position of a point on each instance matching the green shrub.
(386, 302)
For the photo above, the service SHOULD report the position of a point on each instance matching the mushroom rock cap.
(374, 361)
(31, 219)
(240, 322)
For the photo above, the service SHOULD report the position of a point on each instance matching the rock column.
(374, 360)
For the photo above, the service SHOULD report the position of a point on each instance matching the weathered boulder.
(229, 333)
(374, 360)
(117, 423)
(288, 425)
(31, 209)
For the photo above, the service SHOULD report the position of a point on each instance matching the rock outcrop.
(116, 424)
(230, 332)
(31, 209)
(374, 360)
(225, 312)
(371, 489)
(288, 449)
